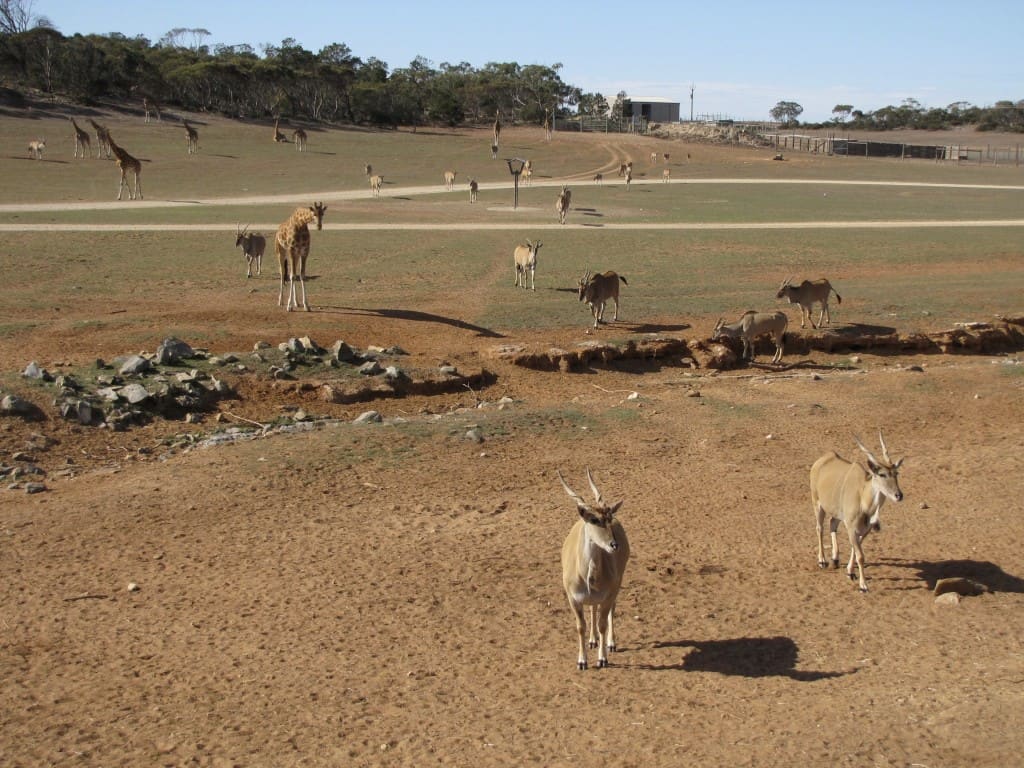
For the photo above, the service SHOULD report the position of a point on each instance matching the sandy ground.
(390, 594)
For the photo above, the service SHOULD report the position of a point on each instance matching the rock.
(633, 396)
(33, 371)
(474, 435)
(172, 350)
(368, 417)
(134, 393)
(448, 370)
(343, 353)
(135, 364)
(300, 415)
(311, 346)
(949, 598)
(394, 373)
(260, 345)
(370, 368)
(960, 586)
(15, 406)
(34, 487)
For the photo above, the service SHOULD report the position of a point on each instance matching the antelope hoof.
(601, 663)
(592, 643)
(835, 564)
(851, 577)
(581, 664)
(822, 564)
(863, 590)
(612, 649)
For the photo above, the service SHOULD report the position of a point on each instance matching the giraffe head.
(318, 209)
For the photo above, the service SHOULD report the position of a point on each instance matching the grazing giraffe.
(149, 106)
(102, 138)
(191, 137)
(36, 147)
(278, 136)
(127, 164)
(83, 143)
(292, 246)
(299, 137)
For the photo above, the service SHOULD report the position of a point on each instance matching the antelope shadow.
(981, 571)
(743, 657)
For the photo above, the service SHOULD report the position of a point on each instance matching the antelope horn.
(885, 451)
(572, 494)
(593, 487)
(866, 451)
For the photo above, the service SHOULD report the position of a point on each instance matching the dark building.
(656, 110)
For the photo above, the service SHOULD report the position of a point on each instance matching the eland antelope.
(594, 557)
(751, 325)
(846, 492)
(806, 295)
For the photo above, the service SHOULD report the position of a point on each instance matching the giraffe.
(83, 143)
(299, 137)
(192, 137)
(278, 136)
(127, 164)
(150, 106)
(547, 125)
(497, 128)
(102, 138)
(292, 247)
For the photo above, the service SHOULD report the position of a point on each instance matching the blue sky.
(742, 57)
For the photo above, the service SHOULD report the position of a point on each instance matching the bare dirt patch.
(389, 594)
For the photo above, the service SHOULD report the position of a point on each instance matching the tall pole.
(691, 102)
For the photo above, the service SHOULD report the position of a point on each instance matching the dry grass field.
(390, 593)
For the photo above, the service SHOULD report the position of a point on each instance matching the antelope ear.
(615, 508)
(873, 466)
(899, 463)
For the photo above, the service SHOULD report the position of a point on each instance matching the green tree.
(786, 112)
(842, 112)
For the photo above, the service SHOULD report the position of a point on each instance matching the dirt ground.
(390, 594)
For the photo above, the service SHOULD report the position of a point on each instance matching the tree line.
(1001, 116)
(286, 80)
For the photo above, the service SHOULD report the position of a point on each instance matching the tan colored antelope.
(375, 184)
(806, 295)
(594, 558)
(563, 203)
(629, 177)
(596, 290)
(253, 246)
(751, 325)
(525, 259)
(654, 158)
(527, 176)
(666, 175)
(299, 138)
(848, 493)
(36, 147)
(449, 180)
(474, 190)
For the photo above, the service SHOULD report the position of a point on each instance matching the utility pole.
(691, 102)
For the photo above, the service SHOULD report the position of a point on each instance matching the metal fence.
(830, 145)
(587, 123)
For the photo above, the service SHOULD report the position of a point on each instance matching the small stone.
(132, 587)
(693, 393)
(633, 396)
(448, 370)
(949, 598)
(474, 435)
(33, 371)
(924, 505)
(136, 364)
(368, 417)
(260, 345)
(960, 586)
(371, 368)
(915, 368)
(300, 415)
(134, 393)
(34, 487)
